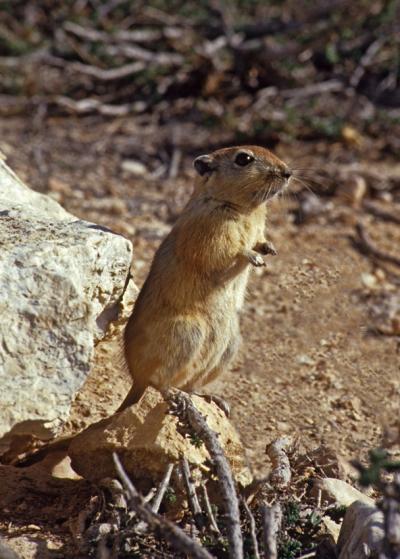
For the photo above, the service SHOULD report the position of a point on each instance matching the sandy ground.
(313, 363)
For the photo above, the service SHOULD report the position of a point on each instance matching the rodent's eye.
(242, 159)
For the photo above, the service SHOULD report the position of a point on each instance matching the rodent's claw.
(177, 406)
(266, 248)
(256, 259)
(269, 248)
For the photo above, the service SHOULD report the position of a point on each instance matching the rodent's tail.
(134, 395)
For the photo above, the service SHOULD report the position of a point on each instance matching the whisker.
(268, 192)
(316, 181)
(315, 169)
(302, 182)
(310, 176)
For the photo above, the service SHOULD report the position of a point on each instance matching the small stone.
(134, 167)
(62, 469)
(338, 491)
(369, 280)
(305, 360)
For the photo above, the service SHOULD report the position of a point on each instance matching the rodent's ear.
(204, 165)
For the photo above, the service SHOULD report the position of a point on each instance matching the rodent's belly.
(177, 349)
(177, 341)
(218, 335)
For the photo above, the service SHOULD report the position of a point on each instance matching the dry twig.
(85, 106)
(272, 520)
(382, 214)
(253, 529)
(175, 536)
(175, 163)
(109, 74)
(313, 89)
(162, 489)
(145, 55)
(281, 474)
(209, 511)
(365, 61)
(391, 510)
(186, 411)
(192, 495)
(367, 246)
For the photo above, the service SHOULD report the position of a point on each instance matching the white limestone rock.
(61, 280)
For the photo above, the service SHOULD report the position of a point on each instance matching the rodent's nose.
(287, 173)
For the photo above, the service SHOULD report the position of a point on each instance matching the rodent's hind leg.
(265, 247)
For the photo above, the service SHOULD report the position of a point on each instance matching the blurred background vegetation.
(245, 69)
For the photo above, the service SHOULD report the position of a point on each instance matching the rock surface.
(362, 532)
(61, 281)
(147, 439)
(339, 492)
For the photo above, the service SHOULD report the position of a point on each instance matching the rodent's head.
(245, 176)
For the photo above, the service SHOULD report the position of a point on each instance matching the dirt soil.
(314, 362)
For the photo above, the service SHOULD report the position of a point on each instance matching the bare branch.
(85, 106)
(139, 53)
(176, 537)
(391, 510)
(162, 489)
(175, 162)
(192, 495)
(183, 406)
(272, 520)
(253, 529)
(109, 74)
(87, 33)
(264, 95)
(382, 214)
(281, 474)
(313, 89)
(139, 35)
(367, 246)
(209, 511)
(365, 61)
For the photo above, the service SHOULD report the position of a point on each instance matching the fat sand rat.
(184, 328)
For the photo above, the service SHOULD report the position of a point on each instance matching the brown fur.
(184, 329)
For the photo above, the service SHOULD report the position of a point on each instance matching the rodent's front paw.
(266, 248)
(255, 259)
